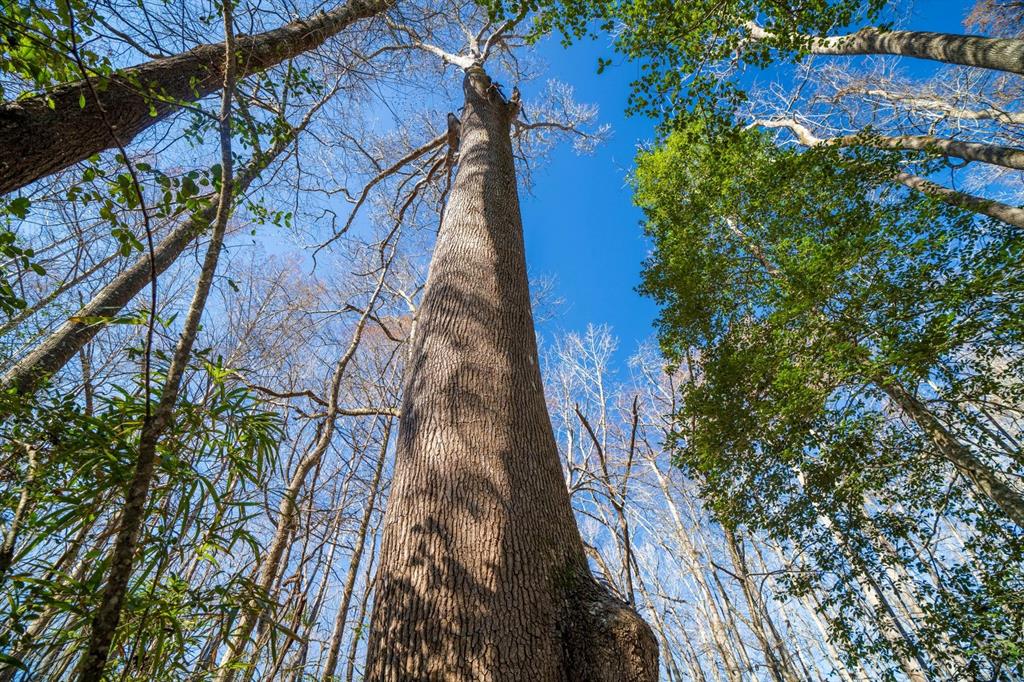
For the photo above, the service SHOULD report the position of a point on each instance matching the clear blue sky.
(580, 224)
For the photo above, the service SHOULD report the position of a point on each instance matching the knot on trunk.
(481, 85)
(605, 640)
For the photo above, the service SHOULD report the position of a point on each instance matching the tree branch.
(994, 209)
(1000, 54)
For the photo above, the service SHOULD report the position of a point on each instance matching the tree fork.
(483, 574)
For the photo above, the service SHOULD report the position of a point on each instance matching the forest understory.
(284, 394)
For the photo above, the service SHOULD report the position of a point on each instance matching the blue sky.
(580, 224)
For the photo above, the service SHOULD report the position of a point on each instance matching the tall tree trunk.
(716, 621)
(483, 574)
(47, 133)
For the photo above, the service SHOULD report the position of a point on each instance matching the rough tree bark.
(483, 574)
(37, 139)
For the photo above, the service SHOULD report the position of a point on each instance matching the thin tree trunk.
(298, 610)
(997, 155)
(10, 537)
(900, 642)
(483, 574)
(338, 632)
(817, 613)
(901, 579)
(671, 668)
(616, 496)
(47, 133)
(287, 509)
(1011, 215)
(736, 637)
(981, 476)
(1001, 54)
(816, 610)
(719, 632)
(32, 371)
(797, 655)
(368, 586)
(108, 614)
(778, 661)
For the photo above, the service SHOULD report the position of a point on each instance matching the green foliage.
(218, 450)
(789, 282)
(684, 47)
(691, 53)
(12, 254)
(38, 41)
(203, 517)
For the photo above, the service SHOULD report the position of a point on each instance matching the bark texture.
(998, 155)
(37, 140)
(1000, 54)
(483, 574)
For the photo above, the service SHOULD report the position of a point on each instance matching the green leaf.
(19, 206)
